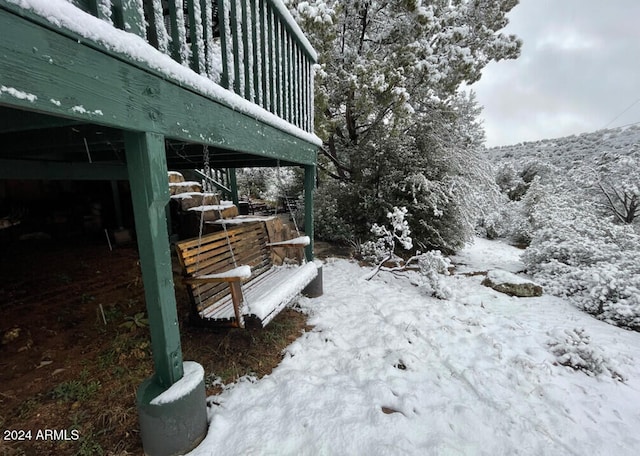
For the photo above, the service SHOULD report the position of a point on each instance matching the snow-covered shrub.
(431, 267)
(579, 215)
(510, 182)
(384, 247)
(572, 348)
(576, 253)
(618, 179)
(509, 221)
(612, 291)
(428, 267)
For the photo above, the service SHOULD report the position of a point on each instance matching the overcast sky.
(579, 69)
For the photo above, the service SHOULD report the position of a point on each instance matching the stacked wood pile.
(190, 206)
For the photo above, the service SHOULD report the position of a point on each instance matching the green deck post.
(233, 185)
(179, 425)
(309, 188)
(147, 165)
(315, 287)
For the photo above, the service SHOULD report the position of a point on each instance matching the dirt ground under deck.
(75, 345)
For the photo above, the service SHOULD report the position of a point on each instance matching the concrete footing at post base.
(314, 289)
(175, 427)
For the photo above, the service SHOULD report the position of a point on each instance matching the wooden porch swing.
(231, 275)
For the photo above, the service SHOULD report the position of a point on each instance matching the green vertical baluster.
(271, 80)
(222, 26)
(264, 50)
(100, 13)
(207, 39)
(282, 77)
(246, 37)
(174, 25)
(277, 66)
(257, 52)
(235, 39)
(196, 64)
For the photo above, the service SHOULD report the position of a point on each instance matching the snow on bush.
(577, 253)
(573, 202)
(427, 267)
(572, 348)
(384, 247)
(431, 266)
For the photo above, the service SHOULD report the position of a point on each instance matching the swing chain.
(285, 198)
(205, 185)
(207, 168)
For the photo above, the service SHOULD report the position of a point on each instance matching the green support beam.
(150, 193)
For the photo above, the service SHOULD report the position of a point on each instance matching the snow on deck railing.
(252, 47)
(267, 59)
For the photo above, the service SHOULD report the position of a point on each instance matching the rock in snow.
(511, 284)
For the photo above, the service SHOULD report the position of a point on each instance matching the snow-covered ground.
(390, 371)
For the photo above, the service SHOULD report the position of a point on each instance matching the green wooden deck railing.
(252, 47)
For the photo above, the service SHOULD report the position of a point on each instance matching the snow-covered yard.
(389, 371)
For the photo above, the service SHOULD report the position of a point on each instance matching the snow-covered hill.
(572, 150)
(575, 203)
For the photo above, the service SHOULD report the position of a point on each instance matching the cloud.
(579, 69)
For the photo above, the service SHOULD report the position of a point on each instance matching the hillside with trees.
(574, 204)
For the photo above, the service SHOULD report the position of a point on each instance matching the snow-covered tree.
(387, 95)
(619, 183)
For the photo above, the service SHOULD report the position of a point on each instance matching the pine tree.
(388, 100)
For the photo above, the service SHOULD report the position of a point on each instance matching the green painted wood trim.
(256, 53)
(54, 74)
(271, 80)
(93, 7)
(310, 106)
(46, 170)
(207, 34)
(309, 96)
(285, 75)
(277, 88)
(150, 194)
(309, 189)
(264, 52)
(291, 62)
